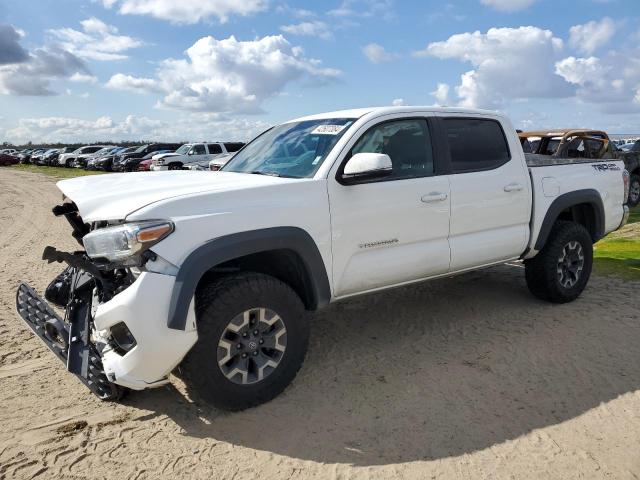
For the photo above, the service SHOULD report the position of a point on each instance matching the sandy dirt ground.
(468, 377)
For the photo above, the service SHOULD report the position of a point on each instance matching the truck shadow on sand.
(436, 370)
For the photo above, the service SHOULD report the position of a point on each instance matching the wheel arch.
(288, 253)
(582, 206)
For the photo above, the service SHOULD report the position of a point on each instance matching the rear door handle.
(513, 187)
(434, 197)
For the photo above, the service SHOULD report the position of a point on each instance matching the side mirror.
(364, 167)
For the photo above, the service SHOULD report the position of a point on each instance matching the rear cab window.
(214, 149)
(476, 144)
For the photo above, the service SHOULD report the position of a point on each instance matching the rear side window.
(476, 144)
(233, 147)
(214, 148)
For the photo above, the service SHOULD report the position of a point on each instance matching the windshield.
(183, 149)
(141, 149)
(294, 150)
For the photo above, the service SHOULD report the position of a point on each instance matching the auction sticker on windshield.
(328, 129)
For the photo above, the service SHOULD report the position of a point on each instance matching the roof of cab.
(361, 112)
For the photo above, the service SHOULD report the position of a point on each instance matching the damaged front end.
(78, 289)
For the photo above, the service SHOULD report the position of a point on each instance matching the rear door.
(490, 192)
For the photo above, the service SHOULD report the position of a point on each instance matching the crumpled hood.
(114, 196)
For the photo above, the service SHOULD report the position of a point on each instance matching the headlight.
(122, 243)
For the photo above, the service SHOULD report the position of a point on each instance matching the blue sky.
(74, 70)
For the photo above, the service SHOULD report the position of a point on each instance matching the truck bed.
(538, 160)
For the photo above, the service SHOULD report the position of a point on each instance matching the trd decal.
(602, 167)
(381, 243)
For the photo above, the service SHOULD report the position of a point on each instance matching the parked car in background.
(194, 153)
(82, 159)
(27, 159)
(201, 166)
(9, 151)
(36, 158)
(67, 159)
(91, 162)
(145, 163)
(7, 160)
(44, 158)
(105, 162)
(219, 162)
(128, 162)
(24, 154)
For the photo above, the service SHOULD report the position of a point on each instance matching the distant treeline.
(121, 143)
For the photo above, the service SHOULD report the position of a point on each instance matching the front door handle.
(513, 187)
(434, 197)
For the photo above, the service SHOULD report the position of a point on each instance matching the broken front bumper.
(70, 343)
(143, 308)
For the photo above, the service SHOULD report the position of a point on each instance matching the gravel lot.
(469, 377)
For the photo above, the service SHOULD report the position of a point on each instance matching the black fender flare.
(229, 247)
(567, 200)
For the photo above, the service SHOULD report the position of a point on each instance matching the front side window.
(295, 149)
(198, 150)
(476, 144)
(408, 144)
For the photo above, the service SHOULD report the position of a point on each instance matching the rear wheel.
(634, 191)
(252, 340)
(560, 271)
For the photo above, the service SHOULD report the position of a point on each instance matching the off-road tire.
(634, 187)
(216, 305)
(541, 272)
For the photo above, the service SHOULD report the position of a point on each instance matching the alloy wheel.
(570, 264)
(252, 346)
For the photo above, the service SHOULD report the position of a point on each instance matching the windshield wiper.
(270, 174)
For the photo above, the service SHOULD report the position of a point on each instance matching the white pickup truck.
(191, 153)
(213, 272)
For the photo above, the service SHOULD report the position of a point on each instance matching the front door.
(392, 230)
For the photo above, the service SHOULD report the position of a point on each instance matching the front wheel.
(252, 340)
(560, 271)
(634, 191)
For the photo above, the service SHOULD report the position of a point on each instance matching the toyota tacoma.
(211, 275)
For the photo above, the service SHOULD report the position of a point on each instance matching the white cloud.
(611, 81)
(228, 75)
(398, 102)
(310, 29)
(97, 41)
(589, 37)
(364, 9)
(185, 128)
(508, 64)
(508, 5)
(377, 53)
(188, 11)
(83, 78)
(120, 81)
(441, 94)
